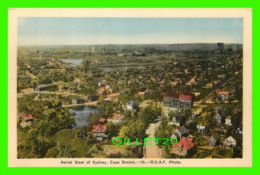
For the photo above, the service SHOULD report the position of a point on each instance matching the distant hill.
(127, 47)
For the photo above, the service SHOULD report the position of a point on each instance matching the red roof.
(185, 143)
(170, 95)
(102, 120)
(182, 96)
(223, 93)
(99, 128)
(102, 89)
(27, 117)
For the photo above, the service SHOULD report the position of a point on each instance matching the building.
(229, 142)
(102, 120)
(131, 105)
(117, 118)
(77, 101)
(219, 116)
(183, 147)
(239, 130)
(214, 140)
(223, 94)
(42, 87)
(180, 132)
(27, 118)
(177, 101)
(99, 132)
(228, 121)
(102, 91)
(201, 129)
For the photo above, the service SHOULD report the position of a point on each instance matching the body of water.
(82, 115)
(72, 62)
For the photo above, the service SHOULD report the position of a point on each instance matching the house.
(141, 93)
(193, 116)
(77, 101)
(27, 118)
(239, 130)
(99, 132)
(108, 87)
(162, 83)
(178, 120)
(219, 116)
(102, 91)
(209, 85)
(117, 118)
(102, 120)
(228, 121)
(180, 132)
(101, 84)
(92, 98)
(27, 91)
(201, 129)
(41, 87)
(145, 92)
(222, 76)
(183, 147)
(196, 93)
(229, 142)
(131, 105)
(223, 94)
(214, 140)
(177, 101)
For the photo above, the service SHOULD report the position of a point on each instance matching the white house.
(230, 142)
(131, 105)
(201, 128)
(228, 121)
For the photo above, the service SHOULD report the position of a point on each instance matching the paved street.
(152, 151)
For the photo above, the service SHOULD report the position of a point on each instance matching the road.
(52, 92)
(152, 151)
(93, 103)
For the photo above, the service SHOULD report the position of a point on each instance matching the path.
(152, 151)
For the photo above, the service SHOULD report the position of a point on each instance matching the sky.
(89, 31)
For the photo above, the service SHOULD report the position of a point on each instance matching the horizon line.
(125, 44)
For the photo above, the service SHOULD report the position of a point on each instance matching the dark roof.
(182, 130)
(221, 113)
(131, 103)
(214, 137)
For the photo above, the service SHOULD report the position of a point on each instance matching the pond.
(82, 115)
(72, 62)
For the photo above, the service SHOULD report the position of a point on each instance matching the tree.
(123, 132)
(112, 130)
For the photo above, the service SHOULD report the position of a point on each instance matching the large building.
(177, 101)
(99, 132)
